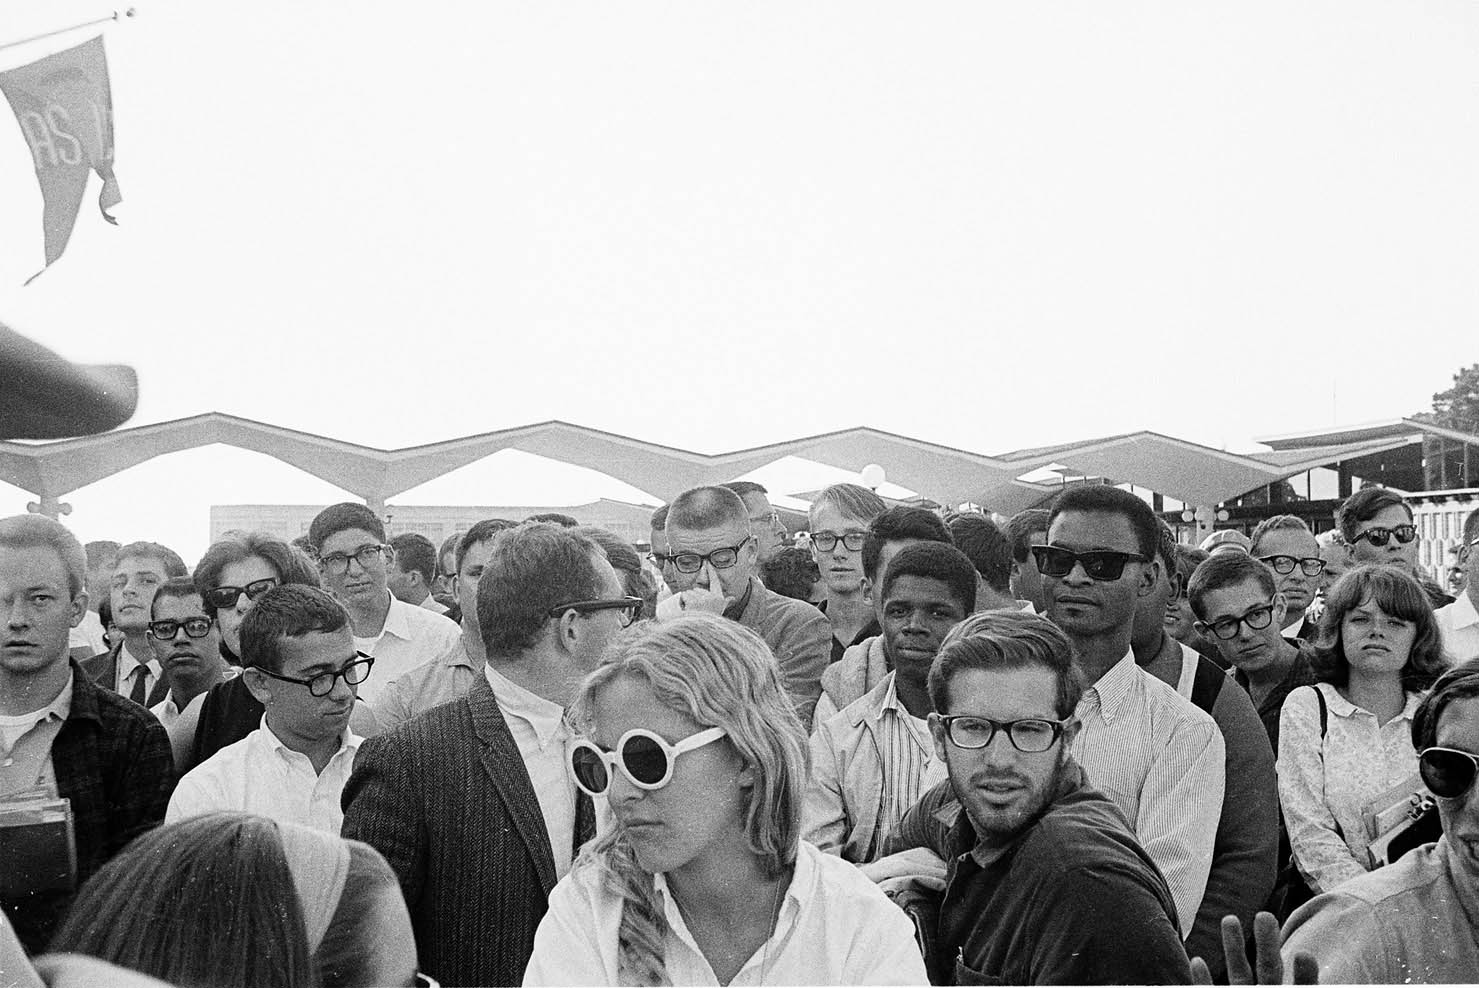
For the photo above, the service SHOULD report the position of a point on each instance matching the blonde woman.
(704, 879)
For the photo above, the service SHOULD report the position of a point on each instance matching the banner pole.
(63, 30)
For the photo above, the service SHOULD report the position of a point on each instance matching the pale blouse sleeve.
(568, 946)
(1319, 851)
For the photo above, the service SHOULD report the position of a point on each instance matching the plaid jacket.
(112, 760)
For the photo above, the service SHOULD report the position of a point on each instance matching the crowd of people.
(906, 747)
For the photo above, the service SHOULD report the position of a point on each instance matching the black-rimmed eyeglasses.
(1257, 619)
(165, 631)
(1284, 565)
(337, 563)
(692, 562)
(1029, 735)
(354, 673)
(827, 541)
(627, 609)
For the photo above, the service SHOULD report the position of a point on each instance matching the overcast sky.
(717, 225)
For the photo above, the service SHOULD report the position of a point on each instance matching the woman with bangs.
(1347, 740)
(703, 879)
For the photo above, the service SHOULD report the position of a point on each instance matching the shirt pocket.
(970, 976)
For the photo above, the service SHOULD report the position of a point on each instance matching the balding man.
(712, 556)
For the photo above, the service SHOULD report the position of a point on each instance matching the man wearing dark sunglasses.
(1378, 525)
(299, 661)
(473, 803)
(187, 644)
(1458, 622)
(1413, 921)
(1147, 747)
(712, 560)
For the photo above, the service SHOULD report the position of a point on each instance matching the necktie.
(585, 820)
(138, 693)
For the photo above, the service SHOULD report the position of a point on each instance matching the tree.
(1458, 407)
(1445, 464)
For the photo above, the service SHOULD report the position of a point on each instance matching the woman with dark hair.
(229, 900)
(1347, 740)
(704, 878)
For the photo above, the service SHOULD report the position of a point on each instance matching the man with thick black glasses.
(1378, 525)
(472, 802)
(1285, 544)
(299, 661)
(712, 556)
(187, 644)
(1159, 758)
(1414, 921)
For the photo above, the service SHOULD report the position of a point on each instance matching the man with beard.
(187, 644)
(1287, 546)
(1045, 882)
(871, 760)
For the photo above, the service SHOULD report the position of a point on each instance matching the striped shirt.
(1160, 760)
(910, 767)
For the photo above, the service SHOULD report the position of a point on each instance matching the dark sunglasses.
(1284, 565)
(165, 631)
(645, 758)
(225, 598)
(1379, 536)
(1447, 772)
(1100, 564)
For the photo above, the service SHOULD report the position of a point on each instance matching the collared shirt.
(412, 635)
(1325, 784)
(433, 605)
(126, 666)
(25, 744)
(834, 928)
(445, 678)
(538, 727)
(1161, 761)
(1458, 623)
(1412, 922)
(167, 711)
(908, 756)
(259, 774)
(1070, 899)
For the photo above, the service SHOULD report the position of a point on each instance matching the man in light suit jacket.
(472, 802)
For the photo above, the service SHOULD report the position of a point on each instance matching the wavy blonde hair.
(720, 674)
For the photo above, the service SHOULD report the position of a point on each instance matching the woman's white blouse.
(1329, 783)
(835, 928)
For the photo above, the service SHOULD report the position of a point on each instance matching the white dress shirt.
(835, 928)
(1327, 783)
(1160, 760)
(412, 635)
(539, 731)
(259, 774)
(433, 605)
(1458, 624)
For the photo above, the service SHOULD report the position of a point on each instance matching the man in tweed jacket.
(471, 802)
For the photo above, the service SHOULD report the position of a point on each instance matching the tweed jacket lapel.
(505, 766)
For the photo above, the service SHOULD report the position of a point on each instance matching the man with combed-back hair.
(1286, 545)
(68, 737)
(712, 568)
(990, 552)
(472, 802)
(129, 667)
(412, 572)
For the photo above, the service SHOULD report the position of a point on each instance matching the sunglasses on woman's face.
(645, 758)
(1447, 772)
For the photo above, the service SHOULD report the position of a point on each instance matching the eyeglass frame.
(179, 624)
(1301, 563)
(337, 563)
(362, 659)
(632, 605)
(836, 537)
(1473, 776)
(708, 557)
(946, 722)
(1084, 559)
(272, 581)
(1387, 534)
(1239, 621)
(614, 759)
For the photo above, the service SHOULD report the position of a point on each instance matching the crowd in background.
(905, 746)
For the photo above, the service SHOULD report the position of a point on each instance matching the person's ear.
(746, 776)
(79, 608)
(1281, 608)
(258, 685)
(567, 630)
(1070, 731)
(1148, 577)
(867, 587)
(938, 733)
